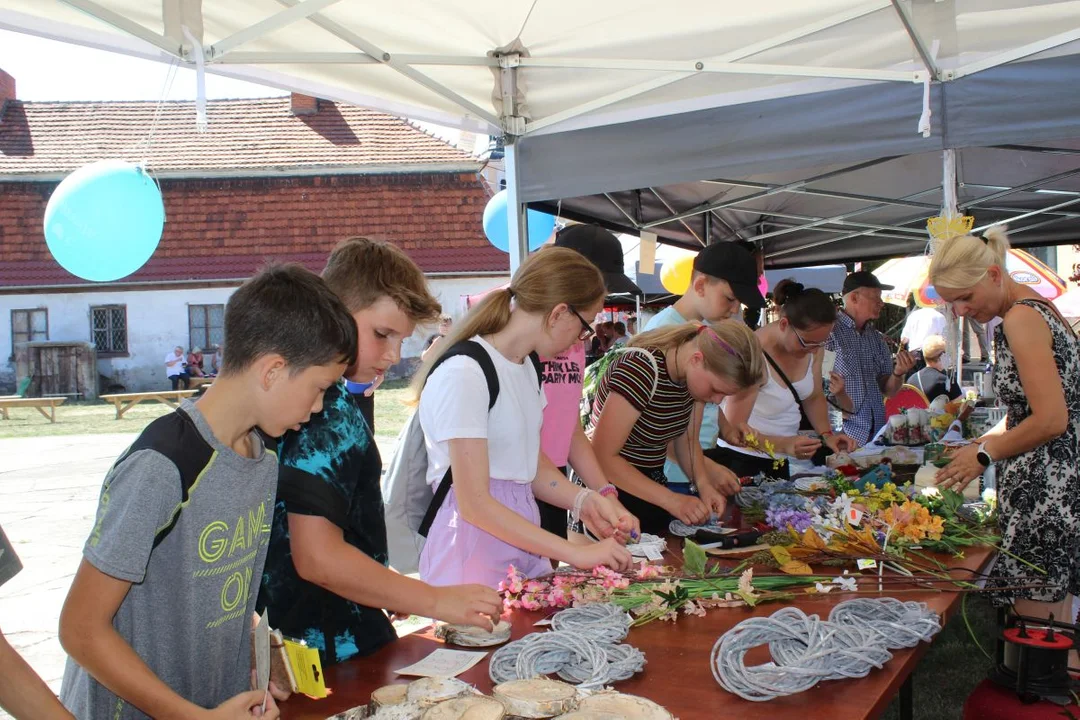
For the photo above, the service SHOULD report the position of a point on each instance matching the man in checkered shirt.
(870, 372)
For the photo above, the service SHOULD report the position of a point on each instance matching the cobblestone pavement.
(48, 494)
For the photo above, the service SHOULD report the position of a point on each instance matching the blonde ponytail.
(548, 277)
(731, 350)
(961, 262)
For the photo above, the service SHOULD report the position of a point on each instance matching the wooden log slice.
(475, 707)
(629, 707)
(401, 711)
(357, 713)
(388, 695)
(471, 636)
(536, 698)
(432, 690)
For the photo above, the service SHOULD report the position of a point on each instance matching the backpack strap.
(474, 350)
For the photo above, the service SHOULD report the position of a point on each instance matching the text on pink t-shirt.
(563, 377)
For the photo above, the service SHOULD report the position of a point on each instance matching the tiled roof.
(225, 228)
(245, 137)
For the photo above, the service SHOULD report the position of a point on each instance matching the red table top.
(677, 674)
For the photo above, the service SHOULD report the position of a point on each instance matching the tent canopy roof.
(617, 99)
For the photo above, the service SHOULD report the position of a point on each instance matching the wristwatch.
(984, 457)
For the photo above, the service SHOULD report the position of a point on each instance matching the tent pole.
(949, 203)
(515, 210)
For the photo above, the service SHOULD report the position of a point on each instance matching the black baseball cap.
(603, 250)
(863, 279)
(727, 261)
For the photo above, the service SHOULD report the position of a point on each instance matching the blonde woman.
(490, 519)
(1036, 445)
(632, 424)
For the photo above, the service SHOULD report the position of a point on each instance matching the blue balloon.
(497, 224)
(104, 221)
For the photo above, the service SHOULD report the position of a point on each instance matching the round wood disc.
(629, 707)
(389, 695)
(475, 707)
(429, 691)
(471, 636)
(536, 698)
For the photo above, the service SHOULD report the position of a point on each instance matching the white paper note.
(262, 653)
(443, 663)
(828, 362)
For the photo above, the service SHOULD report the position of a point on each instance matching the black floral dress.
(1039, 490)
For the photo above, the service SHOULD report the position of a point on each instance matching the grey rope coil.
(806, 649)
(573, 657)
(900, 624)
(749, 496)
(603, 622)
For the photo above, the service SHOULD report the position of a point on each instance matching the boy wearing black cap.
(725, 277)
(562, 438)
(863, 359)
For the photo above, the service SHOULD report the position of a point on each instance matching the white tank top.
(775, 410)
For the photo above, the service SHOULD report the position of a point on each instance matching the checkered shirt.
(861, 358)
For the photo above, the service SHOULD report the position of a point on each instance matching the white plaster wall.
(449, 291)
(158, 321)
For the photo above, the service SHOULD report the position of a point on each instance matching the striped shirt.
(664, 416)
(862, 358)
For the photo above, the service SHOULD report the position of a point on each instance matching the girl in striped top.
(632, 425)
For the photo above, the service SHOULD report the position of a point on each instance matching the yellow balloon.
(675, 274)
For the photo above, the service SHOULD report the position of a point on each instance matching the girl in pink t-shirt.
(564, 442)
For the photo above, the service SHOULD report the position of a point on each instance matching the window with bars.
(30, 325)
(206, 326)
(108, 329)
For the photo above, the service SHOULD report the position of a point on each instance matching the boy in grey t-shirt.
(158, 618)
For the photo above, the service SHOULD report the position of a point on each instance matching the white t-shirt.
(921, 324)
(454, 406)
(176, 369)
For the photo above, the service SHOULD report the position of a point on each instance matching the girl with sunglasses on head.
(789, 409)
(489, 519)
(653, 398)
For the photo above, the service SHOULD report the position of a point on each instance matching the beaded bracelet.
(609, 490)
(579, 501)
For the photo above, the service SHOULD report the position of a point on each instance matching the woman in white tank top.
(798, 428)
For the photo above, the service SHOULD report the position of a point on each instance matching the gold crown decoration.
(945, 228)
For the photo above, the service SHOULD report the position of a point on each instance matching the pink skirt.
(457, 552)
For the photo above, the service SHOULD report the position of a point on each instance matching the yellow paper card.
(307, 668)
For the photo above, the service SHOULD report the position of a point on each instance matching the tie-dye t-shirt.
(330, 468)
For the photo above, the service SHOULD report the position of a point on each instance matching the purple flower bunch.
(783, 517)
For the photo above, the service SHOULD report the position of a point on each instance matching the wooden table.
(126, 401)
(677, 674)
(197, 382)
(38, 403)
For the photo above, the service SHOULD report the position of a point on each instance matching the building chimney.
(299, 104)
(7, 88)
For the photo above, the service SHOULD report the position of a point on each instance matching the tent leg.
(515, 210)
(950, 208)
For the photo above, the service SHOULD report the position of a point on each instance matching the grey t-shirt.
(194, 559)
(9, 561)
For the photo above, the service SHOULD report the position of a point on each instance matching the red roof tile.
(244, 137)
(226, 228)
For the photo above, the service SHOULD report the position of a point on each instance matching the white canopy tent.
(602, 97)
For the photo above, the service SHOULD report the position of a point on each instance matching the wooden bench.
(126, 401)
(197, 382)
(14, 401)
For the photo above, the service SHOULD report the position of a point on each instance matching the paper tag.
(653, 553)
(828, 362)
(307, 668)
(262, 653)
(854, 516)
(443, 663)
(866, 563)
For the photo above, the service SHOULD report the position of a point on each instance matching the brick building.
(273, 179)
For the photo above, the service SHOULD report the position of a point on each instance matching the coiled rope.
(579, 649)
(806, 649)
